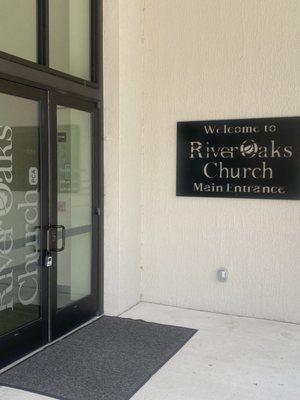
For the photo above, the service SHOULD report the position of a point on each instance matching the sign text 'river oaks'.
(256, 158)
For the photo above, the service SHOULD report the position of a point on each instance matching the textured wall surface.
(213, 59)
(122, 158)
(172, 60)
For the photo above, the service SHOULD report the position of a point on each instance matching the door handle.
(52, 238)
(63, 238)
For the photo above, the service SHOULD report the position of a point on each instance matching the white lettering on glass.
(6, 233)
(30, 277)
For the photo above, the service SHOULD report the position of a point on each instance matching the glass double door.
(48, 217)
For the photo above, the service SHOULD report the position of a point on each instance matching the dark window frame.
(17, 70)
(66, 317)
(42, 63)
(34, 76)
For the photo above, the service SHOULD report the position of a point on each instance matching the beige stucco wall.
(194, 60)
(122, 153)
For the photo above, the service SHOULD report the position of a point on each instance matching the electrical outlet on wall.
(222, 274)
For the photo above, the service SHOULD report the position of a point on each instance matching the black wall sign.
(254, 158)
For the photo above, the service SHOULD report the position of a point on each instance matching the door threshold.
(48, 344)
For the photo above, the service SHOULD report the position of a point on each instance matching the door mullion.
(44, 206)
(73, 302)
(24, 122)
(52, 208)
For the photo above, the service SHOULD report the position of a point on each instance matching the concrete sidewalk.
(229, 358)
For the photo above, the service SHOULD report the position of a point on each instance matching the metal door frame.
(26, 338)
(32, 77)
(80, 311)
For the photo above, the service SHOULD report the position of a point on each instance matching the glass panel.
(74, 203)
(18, 28)
(19, 212)
(69, 36)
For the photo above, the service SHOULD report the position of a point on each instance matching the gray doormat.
(110, 359)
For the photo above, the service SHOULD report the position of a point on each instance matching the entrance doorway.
(49, 216)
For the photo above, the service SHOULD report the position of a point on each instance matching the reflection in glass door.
(49, 221)
(73, 207)
(19, 213)
(22, 311)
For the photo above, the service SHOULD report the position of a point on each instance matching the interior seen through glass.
(69, 33)
(18, 28)
(19, 212)
(69, 37)
(74, 204)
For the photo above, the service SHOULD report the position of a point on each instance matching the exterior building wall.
(196, 60)
(122, 153)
